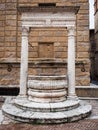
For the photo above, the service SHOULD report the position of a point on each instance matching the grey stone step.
(46, 107)
(28, 116)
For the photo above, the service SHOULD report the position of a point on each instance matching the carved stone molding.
(61, 9)
(50, 19)
(25, 31)
(71, 30)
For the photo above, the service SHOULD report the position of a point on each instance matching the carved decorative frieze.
(48, 19)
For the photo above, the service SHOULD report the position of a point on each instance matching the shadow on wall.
(9, 91)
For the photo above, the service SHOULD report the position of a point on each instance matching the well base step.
(29, 116)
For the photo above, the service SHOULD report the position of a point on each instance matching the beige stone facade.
(96, 39)
(51, 60)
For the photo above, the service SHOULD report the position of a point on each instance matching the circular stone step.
(29, 116)
(46, 107)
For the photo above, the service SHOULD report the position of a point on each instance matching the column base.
(72, 97)
(22, 96)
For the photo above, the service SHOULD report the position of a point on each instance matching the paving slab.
(81, 125)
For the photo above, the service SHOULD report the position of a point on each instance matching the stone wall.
(10, 42)
(96, 41)
(8, 27)
(92, 54)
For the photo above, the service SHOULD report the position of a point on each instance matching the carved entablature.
(43, 18)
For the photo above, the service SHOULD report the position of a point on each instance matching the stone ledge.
(43, 61)
(87, 91)
(46, 107)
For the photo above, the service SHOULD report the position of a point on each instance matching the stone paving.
(81, 125)
(90, 123)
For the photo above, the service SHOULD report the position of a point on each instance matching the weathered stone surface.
(18, 114)
(7, 72)
(12, 77)
(47, 88)
(46, 107)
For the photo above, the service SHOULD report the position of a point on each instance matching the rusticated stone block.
(2, 6)
(9, 74)
(83, 54)
(83, 48)
(84, 81)
(33, 54)
(11, 6)
(60, 55)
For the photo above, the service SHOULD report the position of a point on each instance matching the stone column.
(24, 62)
(71, 63)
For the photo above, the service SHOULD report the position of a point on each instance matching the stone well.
(43, 98)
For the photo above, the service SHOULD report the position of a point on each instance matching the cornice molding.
(74, 9)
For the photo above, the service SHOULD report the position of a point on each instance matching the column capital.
(25, 31)
(71, 30)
